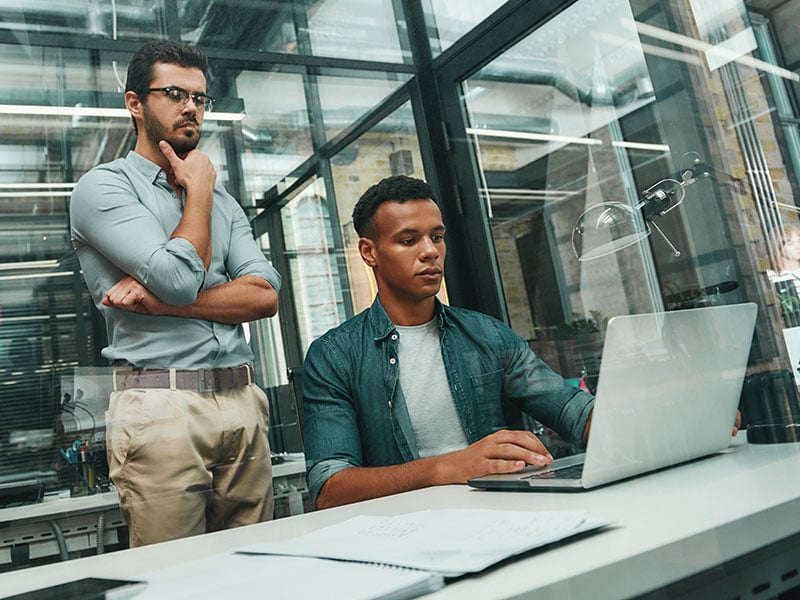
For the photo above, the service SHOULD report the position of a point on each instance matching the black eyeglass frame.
(201, 101)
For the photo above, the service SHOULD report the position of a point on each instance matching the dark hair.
(398, 188)
(140, 69)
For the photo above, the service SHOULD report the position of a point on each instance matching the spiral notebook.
(234, 575)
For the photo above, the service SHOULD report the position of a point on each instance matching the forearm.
(240, 300)
(504, 451)
(195, 224)
(363, 483)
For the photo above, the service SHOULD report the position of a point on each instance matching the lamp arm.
(675, 252)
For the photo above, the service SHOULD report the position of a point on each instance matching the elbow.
(177, 296)
(326, 499)
(269, 303)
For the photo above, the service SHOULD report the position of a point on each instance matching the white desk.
(30, 526)
(669, 526)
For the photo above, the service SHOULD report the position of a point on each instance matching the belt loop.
(172, 380)
(249, 374)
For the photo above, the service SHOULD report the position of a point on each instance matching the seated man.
(411, 393)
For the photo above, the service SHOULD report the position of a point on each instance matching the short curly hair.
(397, 188)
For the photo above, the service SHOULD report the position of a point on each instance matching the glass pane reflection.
(115, 20)
(448, 20)
(358, 29)
(345, 99)
(275, 131)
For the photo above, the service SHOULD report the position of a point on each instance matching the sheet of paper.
(247, 576)
(452, 542)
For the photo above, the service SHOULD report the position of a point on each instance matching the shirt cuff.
(320, 473)
(577, 412)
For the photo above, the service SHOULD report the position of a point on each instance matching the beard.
(181, 141)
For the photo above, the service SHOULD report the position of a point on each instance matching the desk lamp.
(608, 227)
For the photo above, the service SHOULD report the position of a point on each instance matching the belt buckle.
(201, 380)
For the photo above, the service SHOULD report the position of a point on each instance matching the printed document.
(452, 542)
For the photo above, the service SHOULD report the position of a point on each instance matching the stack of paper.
(370, 558)
(451, 542)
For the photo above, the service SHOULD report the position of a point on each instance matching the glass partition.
(356, 29)
(123, 19)
(632, 164)
(347, 96)
(448, 20)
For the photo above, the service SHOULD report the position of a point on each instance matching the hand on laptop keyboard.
(504, 451)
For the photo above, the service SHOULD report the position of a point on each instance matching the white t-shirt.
(423, 380)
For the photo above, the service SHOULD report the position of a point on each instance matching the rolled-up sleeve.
(244, 256)
(106, 214)
(330, 426)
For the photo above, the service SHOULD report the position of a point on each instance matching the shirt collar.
(145, 166)
(382, 325)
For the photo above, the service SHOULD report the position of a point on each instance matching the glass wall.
(639, 157)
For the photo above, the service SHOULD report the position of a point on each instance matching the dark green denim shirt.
(354, 414)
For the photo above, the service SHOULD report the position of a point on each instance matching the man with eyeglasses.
(170, 260)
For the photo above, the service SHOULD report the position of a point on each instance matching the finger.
(169, 152)
(510, 451)
(523, 439)
(505, 466)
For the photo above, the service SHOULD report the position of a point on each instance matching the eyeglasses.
(180, 96)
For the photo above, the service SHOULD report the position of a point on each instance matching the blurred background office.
(592, 158)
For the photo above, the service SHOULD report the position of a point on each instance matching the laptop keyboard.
(570, 472)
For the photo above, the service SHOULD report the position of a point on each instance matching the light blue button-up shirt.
(354, 413)
(122, 215)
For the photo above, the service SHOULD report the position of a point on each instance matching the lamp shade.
(606, 228)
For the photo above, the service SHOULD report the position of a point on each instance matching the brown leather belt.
(195, 380)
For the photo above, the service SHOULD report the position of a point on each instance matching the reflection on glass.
(544, 119)
(311, 255)
(345, 99)
(239, 24)
(592, 127)
(114, 20)
(358, 29)
(275, 131)
(448, 20)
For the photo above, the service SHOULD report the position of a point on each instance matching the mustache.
(186, 121)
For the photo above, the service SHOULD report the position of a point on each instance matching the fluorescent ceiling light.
(30, 264)
(641, 146)
(537, 137)
(37, 275)
(88, 111)
(35, 186)
(33, 194)
(705, 47)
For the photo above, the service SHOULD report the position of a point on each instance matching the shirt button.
(394, 336)
(392, 360)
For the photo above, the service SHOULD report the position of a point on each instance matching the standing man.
(410, 393)
(170, 260)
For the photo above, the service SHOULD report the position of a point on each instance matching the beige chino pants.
(185, 463)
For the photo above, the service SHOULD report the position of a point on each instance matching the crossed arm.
(240, 300)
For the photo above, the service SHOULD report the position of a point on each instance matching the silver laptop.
(667, 393)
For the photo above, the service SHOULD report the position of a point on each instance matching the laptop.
(667, 393)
